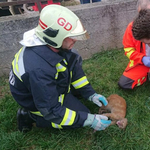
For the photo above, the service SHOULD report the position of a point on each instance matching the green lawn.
(103, 71)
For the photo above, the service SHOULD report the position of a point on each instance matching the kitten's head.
(122, 123)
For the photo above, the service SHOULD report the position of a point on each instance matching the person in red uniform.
(136, 72)
(46, 73)
(141, 31)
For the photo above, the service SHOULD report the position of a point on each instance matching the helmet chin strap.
(59, 49)
(63, 49)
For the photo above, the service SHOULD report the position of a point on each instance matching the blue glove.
(146, 61)
(97, 99)
(100, 122)
(97, 122)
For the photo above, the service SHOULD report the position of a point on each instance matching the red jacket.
(134, 49)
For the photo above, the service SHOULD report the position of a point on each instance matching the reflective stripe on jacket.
(39, 80)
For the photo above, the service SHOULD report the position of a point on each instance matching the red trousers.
(133, 77)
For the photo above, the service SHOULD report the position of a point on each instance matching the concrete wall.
(105, 22)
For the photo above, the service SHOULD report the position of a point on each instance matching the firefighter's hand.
(97, 99)
(97, 122)
(146, 61)
(100, 122)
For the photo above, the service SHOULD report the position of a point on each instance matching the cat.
(115, 110)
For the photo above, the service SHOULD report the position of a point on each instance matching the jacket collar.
(47, 54)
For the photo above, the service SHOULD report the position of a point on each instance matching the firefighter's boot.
(24, 120)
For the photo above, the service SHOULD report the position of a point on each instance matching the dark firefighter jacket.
(39, 80)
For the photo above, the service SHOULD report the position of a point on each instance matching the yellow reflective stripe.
(15, 71)
(65, 61)
(138, 84)
(15, 61)
(71, 74)
(131, 63)
(129, 51)
(56, 76)
(69, 89)
(18, 65)
(60, 68)
(61, 98)
(54, 125)
(17, 58)
(139, 81)
(70, 80)
(36, 113)
(69, 117)
(80, 82)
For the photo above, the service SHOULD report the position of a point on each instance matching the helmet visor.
(81, 37)
(79, 33)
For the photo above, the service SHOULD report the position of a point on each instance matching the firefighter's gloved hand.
(97, 122)
(146, 61)
(97, 99)
(100, 122)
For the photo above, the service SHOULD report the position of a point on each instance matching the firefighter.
(136, 72)
(45, 71)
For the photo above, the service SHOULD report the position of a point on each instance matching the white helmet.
(57, 23)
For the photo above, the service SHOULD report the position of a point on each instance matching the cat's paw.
(102, 111)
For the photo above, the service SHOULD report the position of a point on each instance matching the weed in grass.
(103, 71)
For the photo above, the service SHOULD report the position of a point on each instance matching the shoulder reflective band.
(18, 65)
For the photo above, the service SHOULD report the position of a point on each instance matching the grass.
(103, 71)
